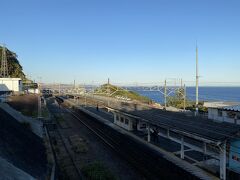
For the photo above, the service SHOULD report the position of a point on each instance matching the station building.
(10, 85)
(224, 112)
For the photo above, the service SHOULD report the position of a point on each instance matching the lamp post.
(39, 99)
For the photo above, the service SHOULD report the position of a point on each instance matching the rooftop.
(232, 108)
(229, 106)
(219, 104)
(195, 127)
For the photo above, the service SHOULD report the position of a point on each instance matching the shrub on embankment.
(96, 171)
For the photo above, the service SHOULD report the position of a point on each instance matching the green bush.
(97, 171)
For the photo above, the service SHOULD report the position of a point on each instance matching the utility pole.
(85, 98)
(165, 94)
(4, 64)
(39, 100)
(197, 80)
(59, 89)
(108, 91)
(184, 103)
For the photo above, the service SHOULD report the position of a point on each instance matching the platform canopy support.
(182, 147)
(149, 133)
(115, 117)
(223, 161)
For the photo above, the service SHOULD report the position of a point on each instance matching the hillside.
(14, 67)
(118, 92)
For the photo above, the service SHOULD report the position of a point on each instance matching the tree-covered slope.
(14, 67)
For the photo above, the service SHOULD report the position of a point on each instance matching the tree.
(178, 99)
(15, 70)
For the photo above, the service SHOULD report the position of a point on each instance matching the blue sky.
(126, 40)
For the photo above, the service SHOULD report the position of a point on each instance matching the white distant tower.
(197, 80)
(4, 65)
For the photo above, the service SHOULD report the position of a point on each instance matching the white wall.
(11, 84)
(226, 118)
(213, 114)
(117, 121)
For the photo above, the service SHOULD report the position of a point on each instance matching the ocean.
(226, 94)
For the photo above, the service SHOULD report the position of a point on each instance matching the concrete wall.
(11, 84)
(36, 125)
(9, 171)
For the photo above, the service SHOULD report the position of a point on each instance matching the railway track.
(112, 143)
(64, 159)
(146, 161)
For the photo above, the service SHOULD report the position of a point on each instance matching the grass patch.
(59, 118)
(80, 148)
(97, 171)
(79, 145)
(29, 113)
(45, 113)
(26, 104)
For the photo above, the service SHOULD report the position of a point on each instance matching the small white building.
(33, 91)
(10, 85)
(224, 112)
(123, 121)
(128, 122)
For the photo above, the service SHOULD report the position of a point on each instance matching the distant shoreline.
(206, 93)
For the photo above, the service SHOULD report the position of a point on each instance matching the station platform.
(166, 149)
